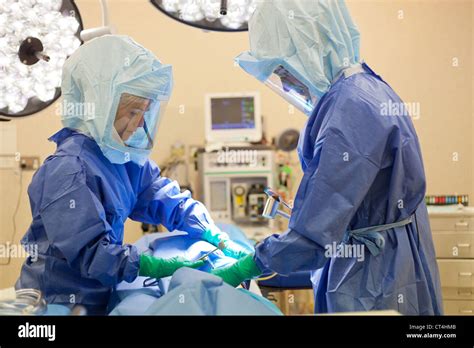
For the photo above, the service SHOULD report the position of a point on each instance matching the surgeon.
(359, 221)
(115, 92)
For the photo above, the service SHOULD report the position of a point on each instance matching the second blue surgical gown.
(362, 167)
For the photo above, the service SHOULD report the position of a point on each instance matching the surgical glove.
(158, 268)
(234, 250)
(231, 249)
(243, 269)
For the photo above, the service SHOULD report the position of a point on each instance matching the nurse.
(364, 181)
(115, 92)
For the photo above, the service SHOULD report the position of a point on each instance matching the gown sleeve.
(161, 201)
(348, 152)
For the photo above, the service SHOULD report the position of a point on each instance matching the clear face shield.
(292, 89)
(136, 120)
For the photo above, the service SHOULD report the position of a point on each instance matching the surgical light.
(36, 37)
(217, 15)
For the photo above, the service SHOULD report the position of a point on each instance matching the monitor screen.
(232, 113)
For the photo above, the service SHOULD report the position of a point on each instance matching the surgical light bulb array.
(238, 11)
(40, 19)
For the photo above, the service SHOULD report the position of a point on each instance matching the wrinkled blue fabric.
(79, 203)
(192, 292)
(371, 236)
(361, 168)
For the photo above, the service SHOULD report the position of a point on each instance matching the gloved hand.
(243, 269)
(231, 249)
(158, 268)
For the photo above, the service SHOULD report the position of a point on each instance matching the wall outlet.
(29, 163)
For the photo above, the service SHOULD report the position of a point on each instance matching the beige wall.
(413, 54)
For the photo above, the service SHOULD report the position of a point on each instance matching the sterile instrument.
(272, 205)
(221, 246)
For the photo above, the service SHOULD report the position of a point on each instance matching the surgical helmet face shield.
(292, 89)
(314, 40)
(99, 73)
(136, 121)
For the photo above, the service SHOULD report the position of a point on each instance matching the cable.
(267, 277)
(246, 285)
(150, 282)
(17, 208)
(26, 302)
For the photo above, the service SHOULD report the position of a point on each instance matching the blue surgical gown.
(362, 167)
(79, 203)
